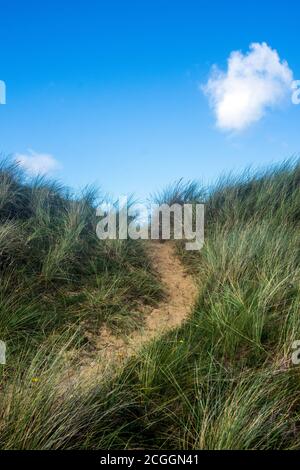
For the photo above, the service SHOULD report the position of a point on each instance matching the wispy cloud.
(37, 163)
(253, 83)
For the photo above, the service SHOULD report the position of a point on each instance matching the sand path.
(181, 291)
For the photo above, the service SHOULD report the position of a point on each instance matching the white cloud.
(253, 83)
(37, 163)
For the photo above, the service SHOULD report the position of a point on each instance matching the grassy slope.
(58, 282)
(224, 379)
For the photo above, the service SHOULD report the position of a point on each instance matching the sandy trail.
(180, 288)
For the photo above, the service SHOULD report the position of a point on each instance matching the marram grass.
(223, 380)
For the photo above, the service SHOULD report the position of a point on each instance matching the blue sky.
(109, 91)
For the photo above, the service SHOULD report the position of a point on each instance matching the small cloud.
(253, 83)
(37, 163)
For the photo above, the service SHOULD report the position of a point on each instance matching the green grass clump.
(225, 380)
(55, 274)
